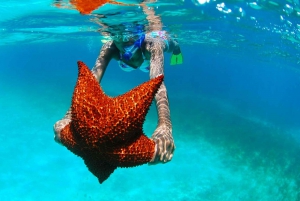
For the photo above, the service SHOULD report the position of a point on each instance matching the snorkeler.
(146, 53)
(137, 50)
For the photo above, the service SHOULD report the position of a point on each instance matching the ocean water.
(235, 101)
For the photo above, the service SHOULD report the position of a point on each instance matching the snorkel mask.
(130, 50)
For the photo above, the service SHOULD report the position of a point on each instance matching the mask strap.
(139, 42)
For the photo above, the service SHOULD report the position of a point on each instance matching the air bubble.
(254, 5)
(288, 9)
(289, 23)
(221, 7)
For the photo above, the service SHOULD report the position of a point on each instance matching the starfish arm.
(132, 154)
(96, 165)
(105, 55)
(68, 140)
(163, 134)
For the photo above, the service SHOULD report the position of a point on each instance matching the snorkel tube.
(132, 49)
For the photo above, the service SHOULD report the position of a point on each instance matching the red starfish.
(108, 132)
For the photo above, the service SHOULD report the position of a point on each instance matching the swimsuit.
(145, 66)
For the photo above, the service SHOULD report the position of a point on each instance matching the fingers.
(58, 126)
(57, 129)
(164, 150)
(170, 151)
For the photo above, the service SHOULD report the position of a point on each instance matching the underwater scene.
(234, 99)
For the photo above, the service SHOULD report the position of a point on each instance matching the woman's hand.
(59, 125)
(164, 145)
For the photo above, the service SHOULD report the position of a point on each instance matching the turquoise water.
(234, 103)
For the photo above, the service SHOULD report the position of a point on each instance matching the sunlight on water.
(203, 21)
(251, 14)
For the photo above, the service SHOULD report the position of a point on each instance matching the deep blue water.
(234, 106)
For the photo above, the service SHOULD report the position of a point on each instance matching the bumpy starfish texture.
(107, 132)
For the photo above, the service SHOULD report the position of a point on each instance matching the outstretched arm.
(106, 53)
(162, 135)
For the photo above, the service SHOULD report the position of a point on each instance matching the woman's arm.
(162, 135)
(106, 54)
